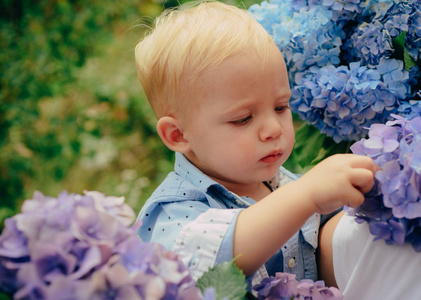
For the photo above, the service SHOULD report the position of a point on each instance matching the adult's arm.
(325, 251)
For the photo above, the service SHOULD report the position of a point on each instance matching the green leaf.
(311, 147)
(4, 296)
(293, 165)
(308, 142)
(399, 41)
(227, 279)
(330, 147)
(401, 52)
(408, 61)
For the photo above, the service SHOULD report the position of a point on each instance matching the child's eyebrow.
(283, 99)
(284, 95)
(237, 108)
(247, 104)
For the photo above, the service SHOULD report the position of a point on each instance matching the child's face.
(239, 126)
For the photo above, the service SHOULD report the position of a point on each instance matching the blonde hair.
(187, 40)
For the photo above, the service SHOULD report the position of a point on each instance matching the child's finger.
(355, 199)
(363, 180)
(359, 161)
(376, 168)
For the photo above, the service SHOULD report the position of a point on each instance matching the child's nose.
(271, 128)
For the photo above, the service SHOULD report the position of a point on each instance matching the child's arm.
(263, 228)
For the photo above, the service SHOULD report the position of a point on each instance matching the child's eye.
(241, 121)
(282, 108)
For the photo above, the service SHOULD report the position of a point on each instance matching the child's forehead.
(250, 56)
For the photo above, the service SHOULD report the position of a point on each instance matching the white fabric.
(373, 270)
(199, 254)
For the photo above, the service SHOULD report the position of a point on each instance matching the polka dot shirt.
(195, 216)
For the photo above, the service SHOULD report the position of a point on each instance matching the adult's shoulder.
(385, 271)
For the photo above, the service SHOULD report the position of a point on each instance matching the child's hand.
(339, 180)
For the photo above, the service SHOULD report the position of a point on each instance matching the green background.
(72, 113)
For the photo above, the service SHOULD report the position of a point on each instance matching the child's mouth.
(272, 158)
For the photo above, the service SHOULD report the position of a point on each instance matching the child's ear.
(171, 133)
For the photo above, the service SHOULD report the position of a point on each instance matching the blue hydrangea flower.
(344, 71)
(405, 16)
(342, 102)
(378, 8)
(395, 77)
(271, 14)
(314, 40)
(343, 9)
(372, 42)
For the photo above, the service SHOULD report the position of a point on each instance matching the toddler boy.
(218, 85)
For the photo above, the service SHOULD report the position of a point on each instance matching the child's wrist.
(305, 199)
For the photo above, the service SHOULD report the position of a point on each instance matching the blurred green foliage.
(72, 113)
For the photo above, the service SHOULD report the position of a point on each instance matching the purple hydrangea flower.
(382, 138)
(282, 286)
(372, 208)
(285, 286)
(392, 231)
(82, 247)
(393, 208)
(413, 234)
(13, 242)
(307, 289)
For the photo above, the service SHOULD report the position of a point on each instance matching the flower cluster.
(392, 208)
(351, 63)
(82, 247)
(285, 286)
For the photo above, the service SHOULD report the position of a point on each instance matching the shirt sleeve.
(208, 237)
(201, 235)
